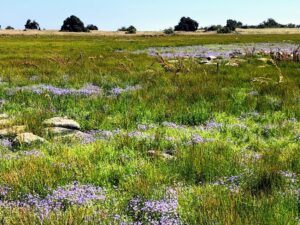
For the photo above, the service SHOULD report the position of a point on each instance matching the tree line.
(186, 24)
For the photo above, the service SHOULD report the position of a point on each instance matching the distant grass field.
(271, 31)
(201, 146)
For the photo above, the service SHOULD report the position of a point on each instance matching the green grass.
(122, 165)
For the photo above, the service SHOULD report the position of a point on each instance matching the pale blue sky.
(146, 14)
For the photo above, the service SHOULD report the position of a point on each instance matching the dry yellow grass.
(270, 31)
(146, 33)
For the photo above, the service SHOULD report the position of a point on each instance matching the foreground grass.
(244, 172)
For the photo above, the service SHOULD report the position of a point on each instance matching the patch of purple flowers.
(22, 154)
(118, 91)
(221, 51)
(59, 200)
(154, 212)
(6, 143)
(87, 90)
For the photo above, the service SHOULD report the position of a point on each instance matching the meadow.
(161, 140)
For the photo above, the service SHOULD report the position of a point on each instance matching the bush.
(270, 23)
(233, 24)
(213, 28)
(187, 24)
(73, 24)
(224, 30)
(131, 30)
(92, 27)
(32, 25)
(9, 28)
(169, 31)
(122, 29)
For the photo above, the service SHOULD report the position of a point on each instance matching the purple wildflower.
(6, 143)
(155, 211)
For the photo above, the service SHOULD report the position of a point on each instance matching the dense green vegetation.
(230, 149)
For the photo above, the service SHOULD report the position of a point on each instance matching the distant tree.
(122, 29)
(73, 24)
(187, 24)
(224, 30)
(169, 31)
(9, 28)
(233, 24)
(291, 25)
(270, 23)
(91, 27)
(131, 30)
(212, 28)
(32, 25)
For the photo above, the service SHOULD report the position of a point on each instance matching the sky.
(146, 14)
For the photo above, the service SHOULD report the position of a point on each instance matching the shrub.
(213, 28)
(92, 27)
(32, 25)
(169, 31)
(122, 29)
(270, 23)
(224, 30)
(131, 30)
(73, 24)
(233, 24)
(187, 24)
(9, 28)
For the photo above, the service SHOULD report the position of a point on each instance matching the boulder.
(62, 122)
(59, 131)
(28, 139)
(76, 136)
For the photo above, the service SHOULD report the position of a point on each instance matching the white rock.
(59, 131)
(62, 122)
(28, 138)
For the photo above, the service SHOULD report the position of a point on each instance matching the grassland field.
(197, 146)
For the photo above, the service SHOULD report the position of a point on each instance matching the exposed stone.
(79, 136)
(12, 131)
(59, 131)
(62, 122)
(28, 139)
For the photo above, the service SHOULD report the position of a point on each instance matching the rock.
(62, 122)
(77, 136)
(28, 139)
(12, 131)
(59, 131)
